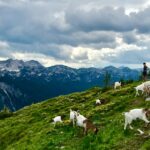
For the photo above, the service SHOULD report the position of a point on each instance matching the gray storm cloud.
(74, 31)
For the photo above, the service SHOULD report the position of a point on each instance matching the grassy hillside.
(31, 129)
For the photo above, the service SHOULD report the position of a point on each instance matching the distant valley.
(23, 83)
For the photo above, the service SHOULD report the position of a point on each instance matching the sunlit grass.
(31, 128)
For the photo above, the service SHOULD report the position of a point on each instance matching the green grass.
(31, 128)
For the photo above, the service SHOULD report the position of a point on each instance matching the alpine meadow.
(32, 128)
(74, 75)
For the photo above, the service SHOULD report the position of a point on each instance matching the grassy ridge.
(31, 129)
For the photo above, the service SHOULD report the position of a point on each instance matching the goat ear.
(145, 109)
(78, 113)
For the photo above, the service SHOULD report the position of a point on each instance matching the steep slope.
(9, 95)
(31, 128)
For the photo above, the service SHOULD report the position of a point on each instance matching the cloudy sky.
(76, 33)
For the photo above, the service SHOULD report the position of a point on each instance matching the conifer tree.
(107, 78)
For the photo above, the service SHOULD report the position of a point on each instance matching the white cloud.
(122, 46)
(46, 60)
(3, 58)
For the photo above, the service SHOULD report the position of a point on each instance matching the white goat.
(80, 118)
(147, 83)
(135, 114)
(85, 123)
(117, 84)
(57, 119)
(98, 102)
(139, 88)
(147, 90)
(72, 116)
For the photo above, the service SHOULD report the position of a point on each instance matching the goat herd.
(86, 124)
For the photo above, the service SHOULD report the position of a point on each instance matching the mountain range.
(23, 83)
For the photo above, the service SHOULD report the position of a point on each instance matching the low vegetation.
(31, 128)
